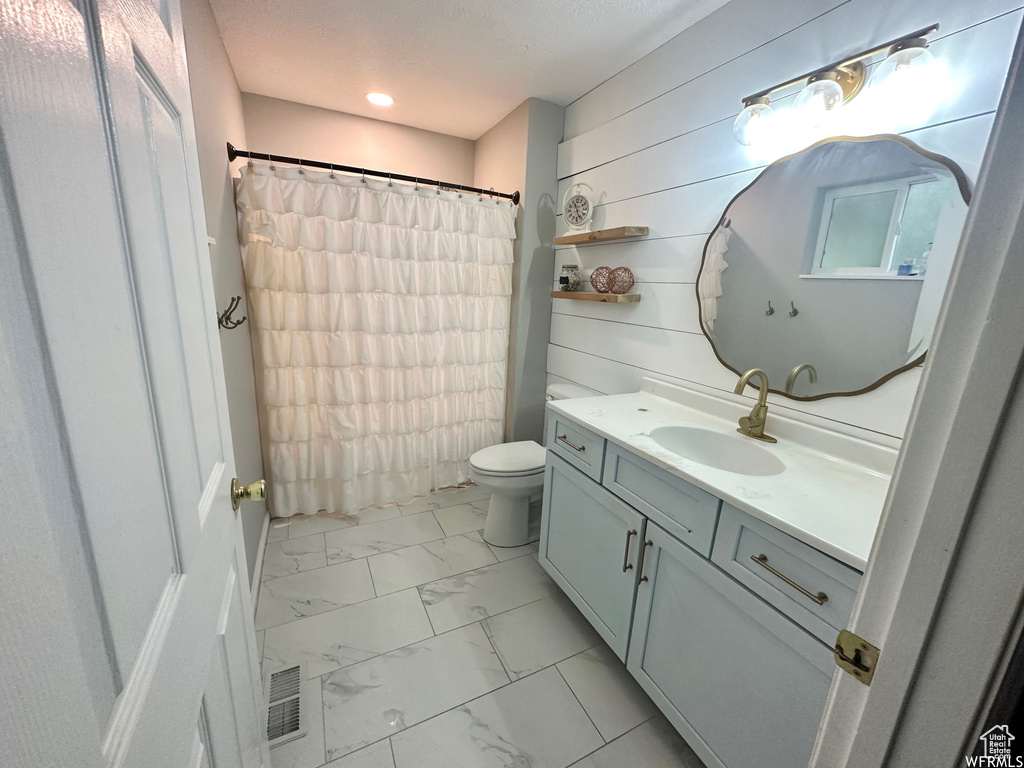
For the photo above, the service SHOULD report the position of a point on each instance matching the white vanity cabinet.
(733, 655)
(739, 681)
(589, 546)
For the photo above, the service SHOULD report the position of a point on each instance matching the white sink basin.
(731, 452)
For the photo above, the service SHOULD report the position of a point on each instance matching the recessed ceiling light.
(380, 99)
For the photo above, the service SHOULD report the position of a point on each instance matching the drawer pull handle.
(565, 439)
(821, 598)
(626, 565)
(643, 552)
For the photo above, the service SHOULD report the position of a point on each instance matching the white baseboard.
(257, 572)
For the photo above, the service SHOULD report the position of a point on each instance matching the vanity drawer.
(778, 567)
(577, 445)
(682, 509)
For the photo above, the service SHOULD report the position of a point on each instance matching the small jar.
(569, 280)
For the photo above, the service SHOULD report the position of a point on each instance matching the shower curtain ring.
(332, 171)
(301, 172)
(439, 187)
(389, 179)
(270, 157)
(460, 191)
(496, 200)
(364, 176)
(416, 185)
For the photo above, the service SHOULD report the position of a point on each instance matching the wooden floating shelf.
(604, 298)
(617, 233)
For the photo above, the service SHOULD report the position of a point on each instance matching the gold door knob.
(253, 492)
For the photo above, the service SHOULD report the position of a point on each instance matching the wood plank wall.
(655, 142)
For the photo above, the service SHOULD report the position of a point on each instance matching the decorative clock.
(577, 208)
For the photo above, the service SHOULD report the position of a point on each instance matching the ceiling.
(452, 67)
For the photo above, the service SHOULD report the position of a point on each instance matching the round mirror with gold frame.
(829, 269)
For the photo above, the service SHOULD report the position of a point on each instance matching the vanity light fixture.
(828, 88)
(379, 99)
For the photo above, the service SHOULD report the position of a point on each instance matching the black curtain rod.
(234, 154)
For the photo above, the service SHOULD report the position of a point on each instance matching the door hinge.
(856, 656)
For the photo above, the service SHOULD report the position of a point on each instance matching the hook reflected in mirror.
(771, 309)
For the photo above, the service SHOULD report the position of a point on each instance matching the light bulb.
(821, 95)
(908, 59)
(752, 123)
(379, 99)
(909, 85)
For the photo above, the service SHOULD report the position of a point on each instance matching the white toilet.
(514, 475)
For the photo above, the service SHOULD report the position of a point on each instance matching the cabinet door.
(745, 686)
(588, 544)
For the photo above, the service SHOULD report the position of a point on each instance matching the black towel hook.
(225, 320)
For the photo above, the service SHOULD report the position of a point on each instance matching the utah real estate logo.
(998, 752)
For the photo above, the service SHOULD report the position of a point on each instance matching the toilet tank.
(564, 392)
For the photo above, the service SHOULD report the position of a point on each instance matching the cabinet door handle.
(821, 598)
(640, 567)
(565, 439)
(626, 565)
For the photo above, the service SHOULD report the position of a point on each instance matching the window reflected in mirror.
(875, 229)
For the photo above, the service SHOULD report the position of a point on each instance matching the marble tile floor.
(425, 647)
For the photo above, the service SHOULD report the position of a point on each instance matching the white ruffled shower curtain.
(381, 318)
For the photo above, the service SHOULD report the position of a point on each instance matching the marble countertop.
(830, 495)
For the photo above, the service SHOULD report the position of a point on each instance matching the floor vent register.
(286, 720)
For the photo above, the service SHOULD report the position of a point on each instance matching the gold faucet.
(753, 425)
(812, 374)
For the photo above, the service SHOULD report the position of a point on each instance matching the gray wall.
(519, 153)
(217, 110)
(299, 130)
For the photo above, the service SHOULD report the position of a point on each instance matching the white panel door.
(112, 363)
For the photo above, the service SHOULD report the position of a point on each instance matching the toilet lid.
(509, 458)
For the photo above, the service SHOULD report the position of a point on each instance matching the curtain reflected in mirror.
(828, 271)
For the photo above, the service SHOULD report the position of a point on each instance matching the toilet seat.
(518, 459)
(527, 473)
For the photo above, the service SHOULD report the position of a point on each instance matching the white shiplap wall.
(655, 142)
